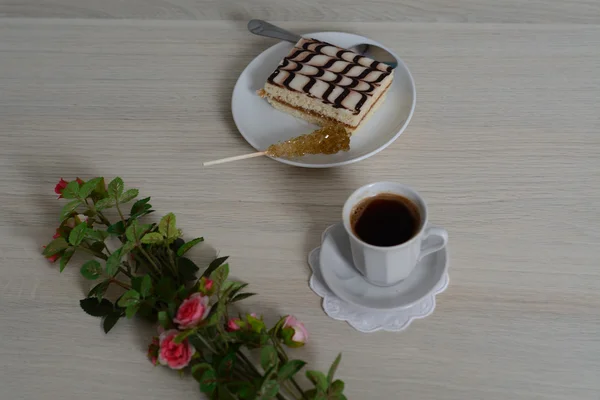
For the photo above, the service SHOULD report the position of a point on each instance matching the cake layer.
(319, 119)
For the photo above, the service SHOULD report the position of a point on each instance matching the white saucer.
(338, 272)
(261, 125)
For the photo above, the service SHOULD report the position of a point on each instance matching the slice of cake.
(322, 83)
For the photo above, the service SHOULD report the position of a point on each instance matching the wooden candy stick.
(235, 158)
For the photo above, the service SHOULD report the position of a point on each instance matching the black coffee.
(385, 220)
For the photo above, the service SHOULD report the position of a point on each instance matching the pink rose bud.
(153, 350)
(60, 186)
(56, 235)
(171, 354)
(53, 258)
(208, 284)
(192, 311)
(79, 181)
(294, 332)
(233, 324)
(80, 218)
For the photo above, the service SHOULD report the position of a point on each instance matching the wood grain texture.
(504, 146)
(505, 11)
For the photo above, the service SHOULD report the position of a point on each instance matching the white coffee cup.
(385, 266)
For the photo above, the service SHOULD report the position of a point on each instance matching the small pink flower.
(300, 336)
(173, 355)
(60, 186)
(56, 235)
(192, 311)
(208, 284)
(232, 325)
(53, 258)
(153, 350)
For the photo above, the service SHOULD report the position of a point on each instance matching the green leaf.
(71, 191)
(88, 187)
(99, 289)
(290, 368)
(246, 391)
(115, 188)
(126, 248)
(333, 368)
(117, 229)
(268, 390)
(152, 238)
(128, 196)
(131, 310)
(216, 263)
(140, 207)
(129, 297)
(135, 231)
(241, 296)
(226, 365)
(187, 269)
(146, 286)
(98, 235)
(268, 357)
(337, 387)
(198, 370)
(318, 379)
(183, 335)
(91, 270)
(187, 246)
(95, 307)
(311, 394)
(78, 234)
(237, 286)
(113, 262)
(208, 382)
(219, 276)
(164, 320)
(55, 246)
(111, 319)
(165, 289)
(66, 257)
(168, 227)
(105, 203)
(224, 393)
(97, 246)
(68, 209)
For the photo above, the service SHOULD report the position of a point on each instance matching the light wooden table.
(504, 145)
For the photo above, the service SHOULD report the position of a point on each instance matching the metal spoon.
(263, 28)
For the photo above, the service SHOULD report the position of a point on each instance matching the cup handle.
(430, 245)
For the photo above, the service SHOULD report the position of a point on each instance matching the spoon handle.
(263, 28)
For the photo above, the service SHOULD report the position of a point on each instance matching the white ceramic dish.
(261, 125)
(338, 272)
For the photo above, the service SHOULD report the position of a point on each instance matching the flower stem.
(150, 259)
(119, 283)
(284, 358)
(120, 213)
(124, 272)
(208, 346)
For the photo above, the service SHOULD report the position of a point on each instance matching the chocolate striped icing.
(336, 76)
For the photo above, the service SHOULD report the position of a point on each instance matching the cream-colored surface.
(504, 145)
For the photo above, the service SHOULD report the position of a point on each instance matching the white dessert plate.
(261, 125)
(338, 272)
